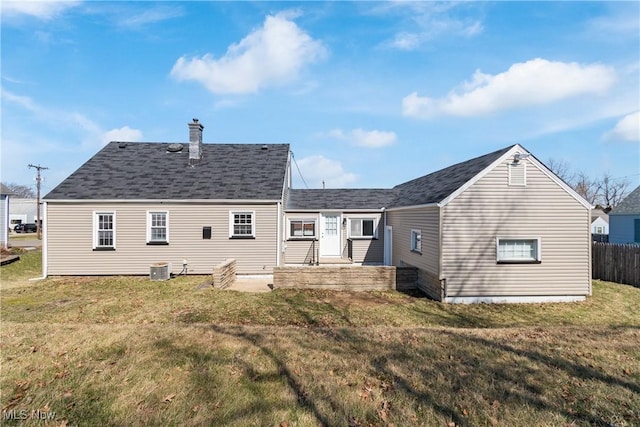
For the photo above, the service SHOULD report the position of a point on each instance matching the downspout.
(44, 223)
(384, 235)
(279, 234)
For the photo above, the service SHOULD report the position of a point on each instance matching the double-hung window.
(518, 250)
(158, 228)
(302, 228)
(362, 228)
(242, 225)
(104, 230)
(416, 241)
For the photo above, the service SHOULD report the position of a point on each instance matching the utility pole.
(38, 181)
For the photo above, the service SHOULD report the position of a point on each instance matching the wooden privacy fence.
(616, 263)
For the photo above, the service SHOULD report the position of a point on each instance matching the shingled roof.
(630, 205)
(340, 199)
(4, 190)
(437, 186)
(149, 171)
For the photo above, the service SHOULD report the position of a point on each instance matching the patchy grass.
(127, 351)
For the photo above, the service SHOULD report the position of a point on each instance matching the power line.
(297, 167)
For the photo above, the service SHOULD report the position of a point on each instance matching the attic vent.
(122, 145)
(175, 148)
(518, 174)
(264, 147)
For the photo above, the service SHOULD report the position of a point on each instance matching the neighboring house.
(22, 211)
(624, 220)
(599, 222)
(476, 231)
(5, 195)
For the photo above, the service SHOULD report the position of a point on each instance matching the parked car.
(25, 228)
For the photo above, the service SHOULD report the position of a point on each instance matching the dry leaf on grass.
(169, 398)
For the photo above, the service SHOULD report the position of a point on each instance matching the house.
(477, 231)
(599, 222)
(5, 194)
(135, 204)
(624, 220)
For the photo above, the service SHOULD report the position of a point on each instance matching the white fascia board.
(173, 201)
(402, 208)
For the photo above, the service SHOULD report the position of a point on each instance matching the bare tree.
(562, 169)
(22, 191)
(588, 188)
(612, 191)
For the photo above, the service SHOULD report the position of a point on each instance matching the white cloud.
(316, 169)
(272, 54)
(148, 16)
(534, 82)
(427, 21)
(363, 138)
(41, 9)
(627, 129)
(124, 133)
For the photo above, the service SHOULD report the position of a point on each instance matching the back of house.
(136, 204)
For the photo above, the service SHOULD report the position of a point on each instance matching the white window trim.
(363, 218)
(519, 261)
(95, 229)
(418, 234)
(315, 228)
(524, 172)
(149, 226)
(253, 224)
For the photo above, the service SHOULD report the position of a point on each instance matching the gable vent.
(518, 174)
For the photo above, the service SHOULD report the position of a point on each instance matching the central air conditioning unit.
(160, 271)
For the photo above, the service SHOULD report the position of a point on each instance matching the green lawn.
(127, 351)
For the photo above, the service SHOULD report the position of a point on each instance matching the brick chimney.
(195, 142)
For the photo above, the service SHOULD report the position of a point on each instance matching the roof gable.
(148, 171)
(438, 186)
(630, 205)
(5, 191)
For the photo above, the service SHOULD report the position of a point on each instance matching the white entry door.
(330, 234)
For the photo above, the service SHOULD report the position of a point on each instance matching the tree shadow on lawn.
(456, 376)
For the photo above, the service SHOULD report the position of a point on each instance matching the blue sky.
(368, 94)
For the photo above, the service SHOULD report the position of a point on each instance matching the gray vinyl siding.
(491, 208)
(70, 239)
(621, 228)
(425, 219)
